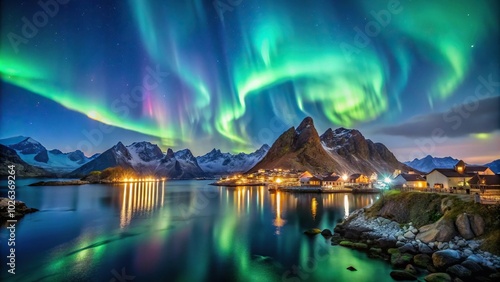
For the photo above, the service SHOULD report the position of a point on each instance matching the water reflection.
(314, 207)
(139, 198)
(190, 232)
(278, 221)
(346, 207)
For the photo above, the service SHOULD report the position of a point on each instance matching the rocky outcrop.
(441, 230)
(386, 239)
(20, 209)
(312, 231)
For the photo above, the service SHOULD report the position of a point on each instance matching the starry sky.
(422, 77)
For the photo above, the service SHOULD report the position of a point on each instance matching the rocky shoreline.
(20, 210)
(433, 251)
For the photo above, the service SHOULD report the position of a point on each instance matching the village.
(462, 178)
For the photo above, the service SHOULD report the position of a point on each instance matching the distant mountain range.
(341, 150)
(216, 162)
(34, 160)
(53, 161)
(429, 163)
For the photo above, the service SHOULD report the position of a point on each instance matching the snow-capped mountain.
(35, 154)
(9, 156)
(429, 163)
(218, 163)
(354, 152)
(145, 159)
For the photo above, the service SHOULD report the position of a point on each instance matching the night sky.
(422, 77)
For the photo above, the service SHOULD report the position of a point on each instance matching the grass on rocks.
(404, 207)
(425, 208)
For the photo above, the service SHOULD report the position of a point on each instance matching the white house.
(455, 177)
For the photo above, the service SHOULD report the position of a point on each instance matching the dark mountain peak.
(170, 154)
(215, 152)
(56, 152)
(264, 147)
(306, 123)
(28, 146)
(77, 156)
(329, 133)
(185, 154)
(298, 149)
(119, 146)
(146, 151)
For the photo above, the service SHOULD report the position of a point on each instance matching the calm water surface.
(182, 231)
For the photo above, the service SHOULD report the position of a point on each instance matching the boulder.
(386, 243)
(463, 226)
(438, 277)
(442, 245)
(355, 232)
(312, 231)
(375, 250)
(422, 260)
(477, 224)
(441, 230)
(474, 267)
(445, 258)
(423, 248)
(399, 260)
(326, 233)
(459, 271)
(360, 246)
(476, 259)
(393, 251)
(347, 244)
(407, 248)
(399, 275)
(409, 235)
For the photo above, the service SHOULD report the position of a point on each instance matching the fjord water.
(182, 231)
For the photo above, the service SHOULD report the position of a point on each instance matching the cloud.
(472, 117)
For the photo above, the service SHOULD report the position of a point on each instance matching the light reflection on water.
(140, 197)
(184, 231)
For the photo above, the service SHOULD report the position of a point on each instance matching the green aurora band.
(288, 51)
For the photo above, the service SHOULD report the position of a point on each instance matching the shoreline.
(412, 258)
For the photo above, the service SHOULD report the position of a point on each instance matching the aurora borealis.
(235, 74)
